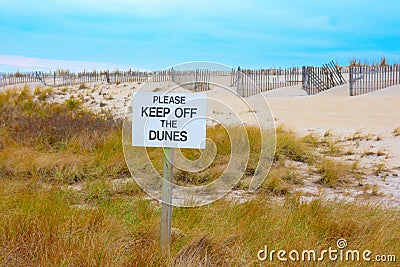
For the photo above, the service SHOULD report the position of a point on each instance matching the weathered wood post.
(166, 197)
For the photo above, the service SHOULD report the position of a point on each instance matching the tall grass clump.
(288, 145)
(48, 125)
(56, 141)
(82, 86)
(72, 103)
(396, 132)
(334, 172)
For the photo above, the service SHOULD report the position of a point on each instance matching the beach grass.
(67, 199)
(396, 132)
(48, 226)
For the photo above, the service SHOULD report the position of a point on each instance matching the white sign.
(175, 120)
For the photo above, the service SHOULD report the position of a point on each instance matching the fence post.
(238, 80)
(304, 78)
(351, 80)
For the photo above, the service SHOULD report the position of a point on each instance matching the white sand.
(290, 91)
(335, 110)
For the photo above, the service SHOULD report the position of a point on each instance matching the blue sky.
(155, 34)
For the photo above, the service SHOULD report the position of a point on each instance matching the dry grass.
(380, 153)
(333, 149)
(281, 180)
(380, 167)
(367, 152)
(204, 251)
(43, 93)
(82, 86)
(58, 142)
(334, 172)
(222, 140)
(44, 147)
(396, 132)
(42, 226)
(290, 146)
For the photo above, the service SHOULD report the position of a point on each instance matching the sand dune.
(392, 91)
(338, 91)
(337, 111)
(290, 91)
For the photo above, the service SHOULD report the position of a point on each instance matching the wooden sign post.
(166, 198)
(168, 120)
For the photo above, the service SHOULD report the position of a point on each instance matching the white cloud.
(21, 63)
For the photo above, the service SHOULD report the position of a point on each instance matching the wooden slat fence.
(162, 76)
(17, 78)
(250, 82)
(66, 79)
(365, 79)
(318, 79)
(197, 79)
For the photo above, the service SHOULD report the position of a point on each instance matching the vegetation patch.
(67, 200)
